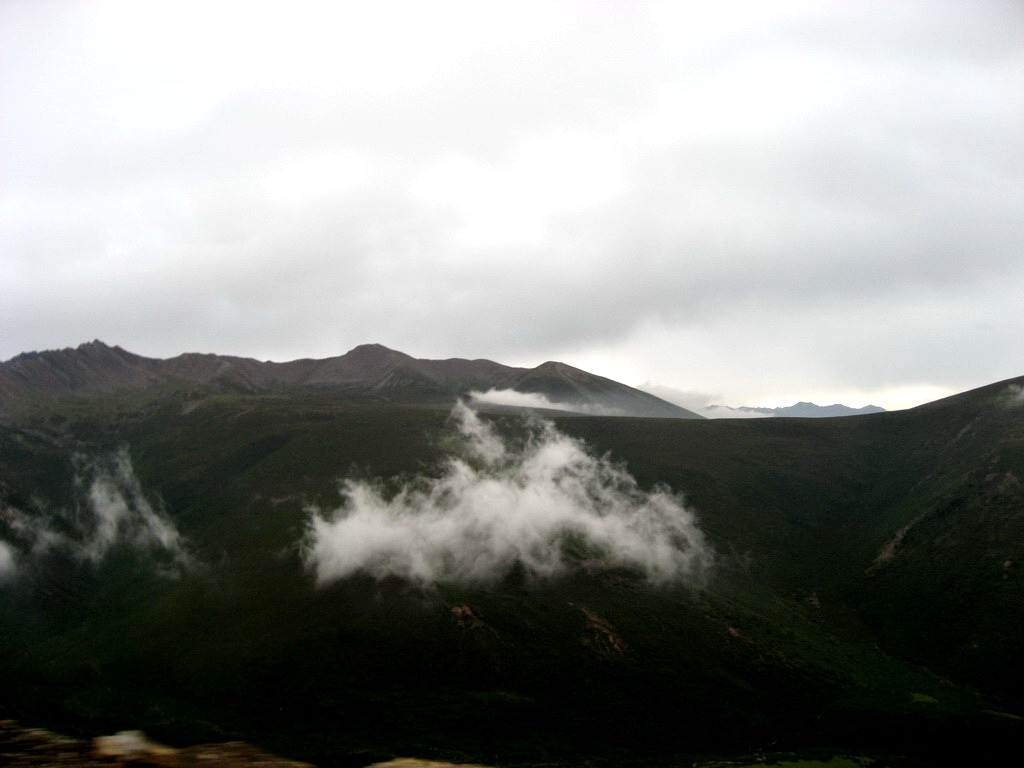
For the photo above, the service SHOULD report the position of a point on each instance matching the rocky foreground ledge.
(38, 748)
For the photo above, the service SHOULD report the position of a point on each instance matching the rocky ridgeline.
(369, 370)
(39, 748)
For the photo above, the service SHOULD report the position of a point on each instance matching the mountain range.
(799, 410)
(369, 370)
(211, 550)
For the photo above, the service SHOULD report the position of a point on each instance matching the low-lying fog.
(546, 505)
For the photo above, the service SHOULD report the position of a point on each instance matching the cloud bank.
(545, 505)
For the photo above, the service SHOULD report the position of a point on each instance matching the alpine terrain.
(352, 559)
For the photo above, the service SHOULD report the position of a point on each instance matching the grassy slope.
(815, 502)
(248, 647)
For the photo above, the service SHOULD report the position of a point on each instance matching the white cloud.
(516, 399)
(1014, 396)
(7, 564)
(112, 511)
(512, 397)
(546, 505)
(121, 513)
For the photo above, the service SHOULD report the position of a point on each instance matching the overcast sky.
(749, 202)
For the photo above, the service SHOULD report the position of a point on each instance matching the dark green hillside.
(913, 520)
(782, 495)
(843, 548)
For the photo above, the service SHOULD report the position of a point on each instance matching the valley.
(861, 595)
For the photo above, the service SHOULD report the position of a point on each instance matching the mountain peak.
(369, 348)
(94, 344)
(97, 348)
(803, 409)
(554, 366)
(374, 354)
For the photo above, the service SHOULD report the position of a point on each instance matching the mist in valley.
(545, 504)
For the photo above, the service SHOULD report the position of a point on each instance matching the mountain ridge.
(95, 368)
(801, 409)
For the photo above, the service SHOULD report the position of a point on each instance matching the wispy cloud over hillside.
(111, 510)
(7, 565)
(1014, 396)
(518, 399)
(545, 505)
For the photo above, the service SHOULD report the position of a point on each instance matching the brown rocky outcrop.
(39, 748)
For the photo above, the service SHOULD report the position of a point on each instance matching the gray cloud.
(806, 182)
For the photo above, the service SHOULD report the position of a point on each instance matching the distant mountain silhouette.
(801, 409)
(94, 368)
